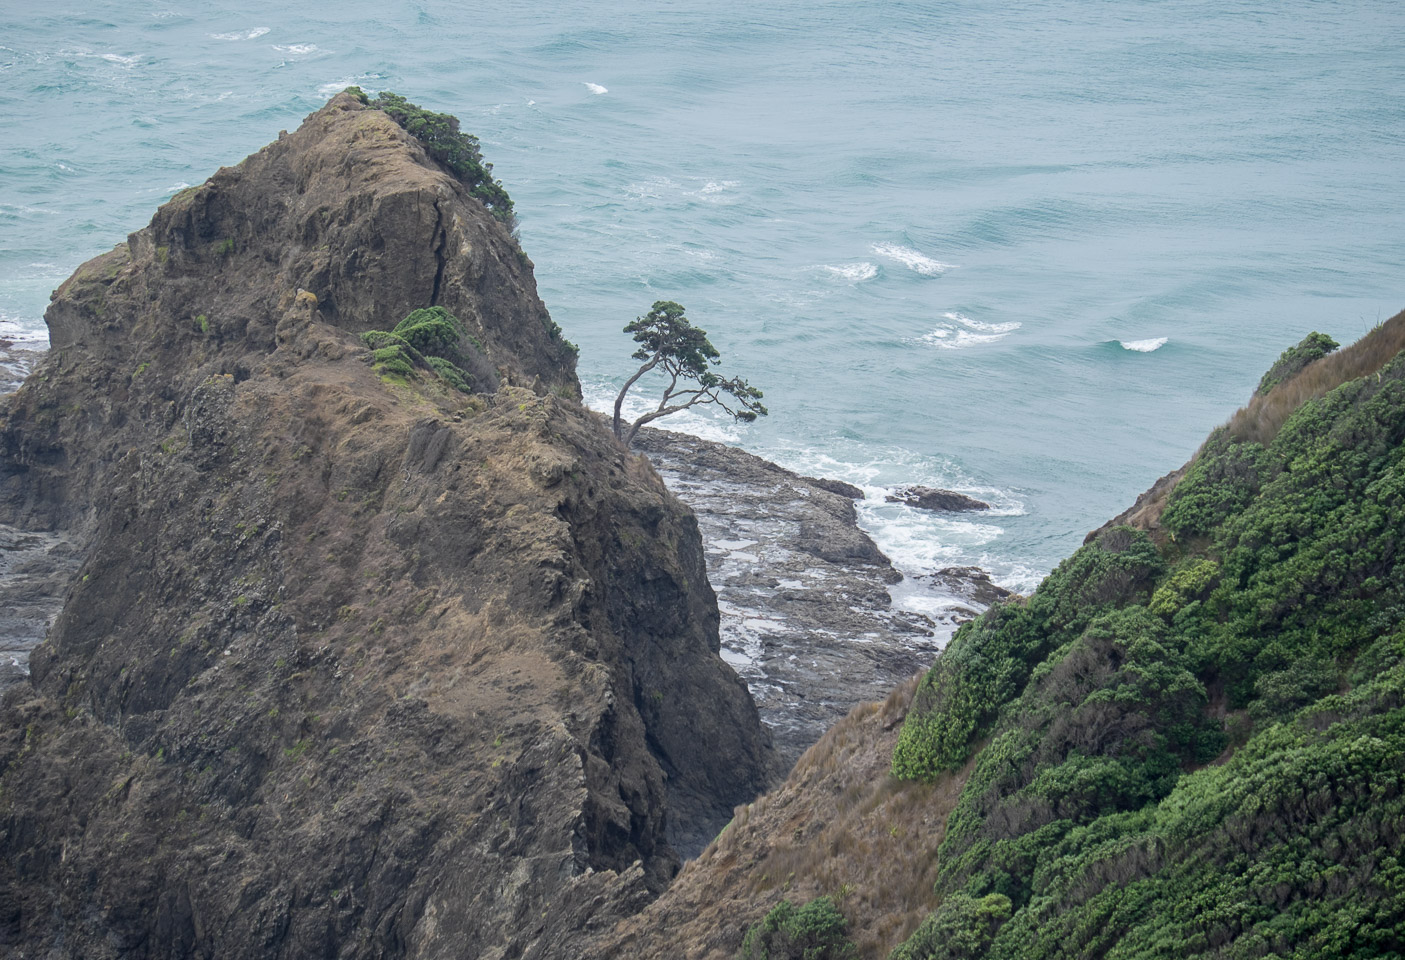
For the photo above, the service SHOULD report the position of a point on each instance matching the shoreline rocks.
(930, 498)
(807, 618)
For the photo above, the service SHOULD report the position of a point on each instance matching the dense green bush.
(445, 142)
(960, 929)
(1276, 612)
(815, 931)
(989, 660)
(431, 339)
(433, 331)
(1313, 347)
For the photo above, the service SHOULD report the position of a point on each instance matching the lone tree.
(670, 343)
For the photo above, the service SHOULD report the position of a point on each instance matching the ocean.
(1031, 251)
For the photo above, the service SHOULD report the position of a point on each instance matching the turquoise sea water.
(1029, 250)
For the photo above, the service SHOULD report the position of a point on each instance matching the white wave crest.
(596, 88)
(30, 334)
(912, 259)
(366, 81)
(296, 49)
(120, 60)
(852, 272)
(961, 331)
(253, 34)
(1144, 346)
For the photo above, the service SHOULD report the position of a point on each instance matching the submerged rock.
(929, 498)
(971, 583)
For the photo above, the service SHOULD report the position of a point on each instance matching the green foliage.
(682, 352)
(815, 931)
(451, 374)
(989, 660)
(961, 928)
(1187, 582)
(380, 339)
(1091, 809)
(445, 142)
(394, 360)
(1223, 480)
(431, 339)
(1313, 347)
(432, 331)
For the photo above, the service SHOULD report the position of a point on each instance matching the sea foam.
(960, 331)
(1144, 346)
(852, 272)
(253, 34)
(596, 88)
(912, 259)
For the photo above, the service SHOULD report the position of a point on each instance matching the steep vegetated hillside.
(368, 656)
(1189, 741)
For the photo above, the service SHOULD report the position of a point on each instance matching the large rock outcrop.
(352, 666)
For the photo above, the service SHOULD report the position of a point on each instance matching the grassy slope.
(1191, 742)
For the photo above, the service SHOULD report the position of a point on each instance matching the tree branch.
(619, 400)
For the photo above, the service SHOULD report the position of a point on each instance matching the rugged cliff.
(1189, 741)
(355, 664)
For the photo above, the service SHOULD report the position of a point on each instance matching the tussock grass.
(843, 828)
(1265, 415)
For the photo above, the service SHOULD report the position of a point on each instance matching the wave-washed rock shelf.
(807, 619)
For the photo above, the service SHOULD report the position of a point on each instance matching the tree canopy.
(682, 352)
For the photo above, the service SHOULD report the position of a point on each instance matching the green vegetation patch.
(429, 339)
(962, 927)
(815, 931)
(1276, 613)
(1314, 346)
(445, 142)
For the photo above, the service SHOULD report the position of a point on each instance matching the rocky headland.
(337, 652)
(348, 663)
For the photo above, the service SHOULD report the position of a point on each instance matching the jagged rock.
(806, 616)
(929, 498)
(15, 363)
(349, 668)
(835, 486)
(973, 583)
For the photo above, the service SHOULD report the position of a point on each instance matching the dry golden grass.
(838, 826)
(1265, 415)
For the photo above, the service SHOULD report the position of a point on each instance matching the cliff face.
(1189, 741)
(352, 666)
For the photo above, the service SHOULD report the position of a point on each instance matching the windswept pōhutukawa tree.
(668, 342)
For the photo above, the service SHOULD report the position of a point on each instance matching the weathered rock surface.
(35, 571)
(970, 583)
(806, 615)
(16, 360)
(930, 498)
(350, 667)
